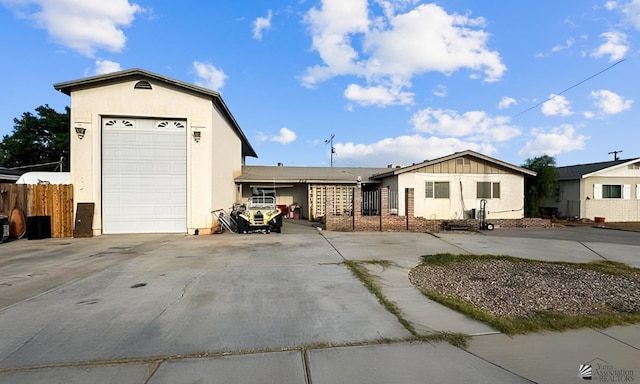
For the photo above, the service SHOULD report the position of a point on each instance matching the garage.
(144, 176)
(153, 154)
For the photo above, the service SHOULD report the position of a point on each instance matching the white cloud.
(397, 46)
(561, 139)
(561, 47)
(404, 150)
(84, 26)
(557, 106)
(506, 102)
(472, 125)
(611, 5)
(261, 24)
(440, 91)
(106, 66)
(286, 136)
(615, 46)
(209, 76)
(588, 114)
(631, 11)
(378, 95)
(609, 102)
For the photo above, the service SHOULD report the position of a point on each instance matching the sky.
(392, 81)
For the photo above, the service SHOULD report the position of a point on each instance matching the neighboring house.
(452, 187)
(10, 176)
(154, 154)
(609, 189)
(306, 186)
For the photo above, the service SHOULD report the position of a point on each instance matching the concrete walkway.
(273, 309)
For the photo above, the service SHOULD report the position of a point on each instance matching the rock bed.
(521, 289)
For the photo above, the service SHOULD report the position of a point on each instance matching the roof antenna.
(615, 154)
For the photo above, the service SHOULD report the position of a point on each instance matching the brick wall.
(386, 222)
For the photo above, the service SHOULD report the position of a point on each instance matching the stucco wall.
(462, 196)
(226, 153)
(207, 188)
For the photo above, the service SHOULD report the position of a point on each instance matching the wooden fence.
(41, 200)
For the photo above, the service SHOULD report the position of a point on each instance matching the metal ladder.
(227, 222)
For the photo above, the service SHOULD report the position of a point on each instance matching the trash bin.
(4, 229)
(297, 213)
(38, 227)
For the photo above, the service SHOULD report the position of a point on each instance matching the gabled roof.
(310, 175)
(573, 172)
(456, 155)
(139, 74)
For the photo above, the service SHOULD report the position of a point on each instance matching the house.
(609, 189)
(446, 188)
(305, 187)
(452, 187)
(155, 155)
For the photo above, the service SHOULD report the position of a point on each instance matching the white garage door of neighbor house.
(144, 176)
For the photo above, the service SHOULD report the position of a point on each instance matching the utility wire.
(568, 89)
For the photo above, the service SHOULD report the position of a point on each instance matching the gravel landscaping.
(517, 289)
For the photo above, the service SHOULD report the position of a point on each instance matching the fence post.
(384, 206)
(409, 206)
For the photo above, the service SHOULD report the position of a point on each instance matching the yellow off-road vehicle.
(259, 213)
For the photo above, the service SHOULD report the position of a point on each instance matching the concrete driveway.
(278, 308)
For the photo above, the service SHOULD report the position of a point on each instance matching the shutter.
(597, 191)
(626, 192)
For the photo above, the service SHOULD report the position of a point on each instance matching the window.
(612, 191)
(487, 190)
(436, 189)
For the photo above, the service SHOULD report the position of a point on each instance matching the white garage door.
(144, 176)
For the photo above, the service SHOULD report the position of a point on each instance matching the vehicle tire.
(279, 224)
(490, 227)
(241, 225)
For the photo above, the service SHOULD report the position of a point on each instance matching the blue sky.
(396, 81)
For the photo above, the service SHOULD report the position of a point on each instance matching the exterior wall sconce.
(80, 131)
(197, 135)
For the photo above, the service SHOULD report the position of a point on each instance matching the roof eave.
(595, 173)
(453, 156)
(67, 87)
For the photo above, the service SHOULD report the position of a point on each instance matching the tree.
(37, 139)
(542, 186)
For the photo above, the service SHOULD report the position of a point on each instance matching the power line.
(568, 89)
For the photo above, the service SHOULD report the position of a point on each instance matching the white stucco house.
(155, 155)
(451, 187)
(609, 189)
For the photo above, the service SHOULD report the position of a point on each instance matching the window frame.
(493, 188)
(435, 191)
(606, 191)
